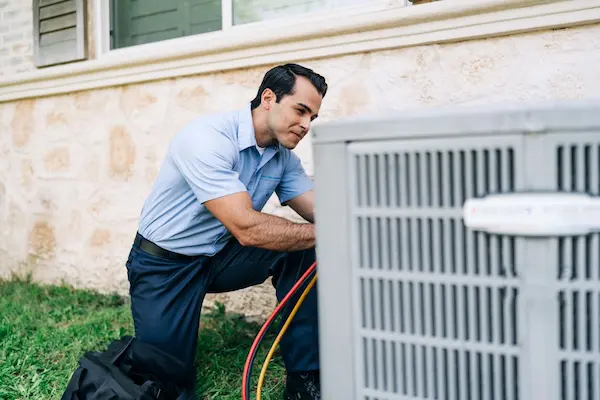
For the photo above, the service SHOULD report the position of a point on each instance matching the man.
(201, 230)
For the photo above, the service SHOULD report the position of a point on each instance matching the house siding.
(16, 37)
(76, 168)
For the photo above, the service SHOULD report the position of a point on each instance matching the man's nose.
(305, 124)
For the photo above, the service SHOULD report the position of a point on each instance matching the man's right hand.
(257, 229)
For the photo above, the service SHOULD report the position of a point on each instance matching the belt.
(155, 250)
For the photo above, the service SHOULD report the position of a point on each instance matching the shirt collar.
(246, 136)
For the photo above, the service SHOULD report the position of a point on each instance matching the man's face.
(289, 120)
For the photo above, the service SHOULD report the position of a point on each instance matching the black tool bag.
(127, 370)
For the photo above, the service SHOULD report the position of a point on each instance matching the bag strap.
(114, 359)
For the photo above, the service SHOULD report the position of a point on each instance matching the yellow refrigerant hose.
(280, 335)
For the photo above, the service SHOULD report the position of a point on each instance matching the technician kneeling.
(201, 230)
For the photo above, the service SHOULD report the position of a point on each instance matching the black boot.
(303, 386)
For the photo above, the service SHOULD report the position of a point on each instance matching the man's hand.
(256, 229)
(304, 205)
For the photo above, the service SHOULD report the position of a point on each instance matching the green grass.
(44, 330)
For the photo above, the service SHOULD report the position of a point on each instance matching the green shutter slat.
(155, 36)
(154, 23)
(43, 3)
(57, 53)
(206, 11)
(205, 27)
(59, 36)
(56, 10)
(58, 23)
(149, 7)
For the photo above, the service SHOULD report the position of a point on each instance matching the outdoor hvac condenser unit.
(458, 254)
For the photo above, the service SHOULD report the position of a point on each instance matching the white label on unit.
(534, 214)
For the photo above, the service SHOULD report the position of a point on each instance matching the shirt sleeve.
(294, 180)
(206, 161)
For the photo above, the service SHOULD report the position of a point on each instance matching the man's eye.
(300, 111)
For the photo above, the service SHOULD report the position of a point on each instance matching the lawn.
(45, 329)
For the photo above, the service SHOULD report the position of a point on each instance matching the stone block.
(145, 106)
(57, 160)
(22, 124)
(100, 237)
(115, 204)
(121, 153)
(42, 239)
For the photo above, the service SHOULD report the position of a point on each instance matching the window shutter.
(59, 32)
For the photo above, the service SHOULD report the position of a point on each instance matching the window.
(135, 22)
(61, 27)
(245, 11)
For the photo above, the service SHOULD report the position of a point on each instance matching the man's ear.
(268, 98)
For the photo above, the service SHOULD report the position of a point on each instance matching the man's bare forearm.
(275, 233)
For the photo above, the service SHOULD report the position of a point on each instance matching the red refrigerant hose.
(259, 337)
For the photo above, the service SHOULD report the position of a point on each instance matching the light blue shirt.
(214, 156)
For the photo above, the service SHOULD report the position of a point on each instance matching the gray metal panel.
(436, 311)
(333, 253)
(451, 121)
(538, 320)
(574, 166)
(510, 317)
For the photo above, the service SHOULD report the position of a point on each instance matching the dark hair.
(282, 81)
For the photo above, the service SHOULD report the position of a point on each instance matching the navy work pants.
(167, 295)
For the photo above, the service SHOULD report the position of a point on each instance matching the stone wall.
(75, 169)
(16, 37)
